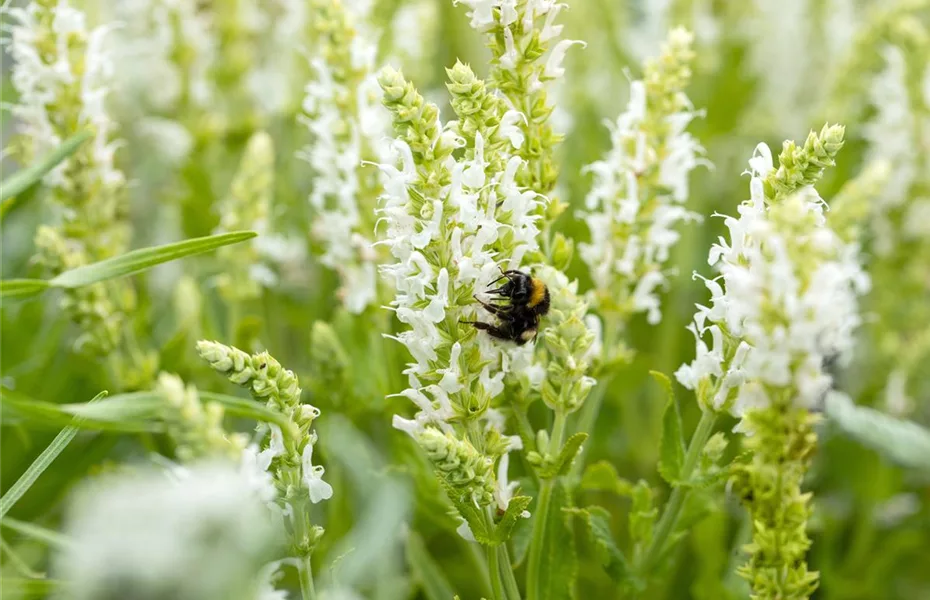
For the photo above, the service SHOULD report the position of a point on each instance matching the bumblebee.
(523, 299)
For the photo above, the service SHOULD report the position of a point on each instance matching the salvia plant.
(501, 299)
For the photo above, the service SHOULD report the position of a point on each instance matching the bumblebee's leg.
(495, 332)
(491, 308)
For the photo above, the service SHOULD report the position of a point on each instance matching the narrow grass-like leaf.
(145, 258)
(31, 175)
(29, 588)
(133, 407)
(559, 566)
(434, 584)
(35, 532)
(21, 288)
(19, 564)
(48, 414)
(38, 466)
(672, 445)
(903, 442)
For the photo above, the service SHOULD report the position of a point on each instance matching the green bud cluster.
(266, 380)
(196, 427)
(568, 342)
(480, 111)
(769, 483)
(417, 123)
(464, 471)
(799, 167)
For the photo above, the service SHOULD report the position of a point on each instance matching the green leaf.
(603, 477)
(566, 456)
(108, 414)
(672, 445)
(559, 565)
(643, 514)
(608, 553)
(31, 175)
(36, 532)
(21, 288)
(512, 516)
(901, 441)
(61, 441)
(145, 258)
(523, 531)
(28, 588)
(433, 582)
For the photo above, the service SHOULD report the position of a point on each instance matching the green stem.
(540, 524)
(306, 580)
(677, 500)
(510, 581)
(304, 567)
(478, 560)
(496, 586)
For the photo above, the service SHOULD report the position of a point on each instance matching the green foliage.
(432, 581)
(603, 477)
(610, 556)
(35, 470)
(19, 182)
(558, 567)
(145, 258)
(672, 445)
(901, 441)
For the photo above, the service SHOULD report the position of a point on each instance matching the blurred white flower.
(51, 86)
(204, 536)
(893, 136)
(348, 127)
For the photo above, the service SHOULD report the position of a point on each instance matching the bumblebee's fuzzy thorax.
(539, 297)
(538, 293)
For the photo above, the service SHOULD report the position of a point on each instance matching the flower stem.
(496, 586)
(677, 500)
(307, 591)
(540, 524)
(511, 588)
(304, 567)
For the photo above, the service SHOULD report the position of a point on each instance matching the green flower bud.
(465, 471)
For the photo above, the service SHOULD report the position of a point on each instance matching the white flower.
(893, 135)
(463, 226)
(205, 535)
(269, 575)
(49, 84)
(342, 139)
(553, 68)
(633, 227)
(786, 295)
(313, 476)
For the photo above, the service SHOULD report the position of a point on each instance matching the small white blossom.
(313, 476)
